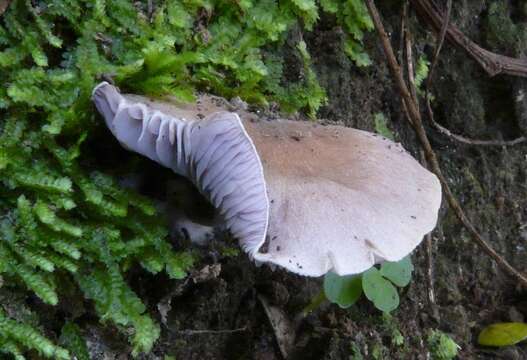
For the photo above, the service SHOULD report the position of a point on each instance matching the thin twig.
(439, 45)
(429, 247)
(439, 127)
(430, 268)
(410, 66)
(429, 253)
(443, 130)
(428, 237)
(404, 19)
(213, 332)
(431, 157)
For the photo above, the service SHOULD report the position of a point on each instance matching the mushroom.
(306, 197)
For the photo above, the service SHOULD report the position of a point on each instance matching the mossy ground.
(470, 291)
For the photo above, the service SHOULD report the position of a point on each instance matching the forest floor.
(218, 313)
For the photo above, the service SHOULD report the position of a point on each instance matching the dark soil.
(470, 290)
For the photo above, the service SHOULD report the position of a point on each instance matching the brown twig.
(443, 130)
(410, 65)
(413, 91)
(439, 127)
(429, 250)
(428, 237)
(404, 19)
(429, 246)
(213, 332)
(430, 268)
(439, 46)
(417, 123)
(492, 63)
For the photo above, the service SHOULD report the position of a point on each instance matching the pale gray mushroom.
(306, 197)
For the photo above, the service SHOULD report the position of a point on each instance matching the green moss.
(441, 346)
(502, 33)
(356, 354)
(378, 351)
(381, 126)
(72, 339)
(391, 327)
(61, 215)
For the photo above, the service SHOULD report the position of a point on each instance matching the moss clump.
(441, 346)
(502, 33)
(62, 217)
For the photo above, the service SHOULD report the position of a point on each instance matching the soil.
(217, 315)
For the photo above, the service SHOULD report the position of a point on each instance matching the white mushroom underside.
(214, 153)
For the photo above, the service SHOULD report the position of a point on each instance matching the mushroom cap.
(341, 199)
(309, 198)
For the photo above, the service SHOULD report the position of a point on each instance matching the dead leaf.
(283, 328)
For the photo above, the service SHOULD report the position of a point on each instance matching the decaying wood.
(415, 120)
(492, 63)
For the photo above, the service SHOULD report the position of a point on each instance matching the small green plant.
(391, 327)
(378, 351)
(342, 290)
(377, 284)
(421, 73)
(441, 346)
